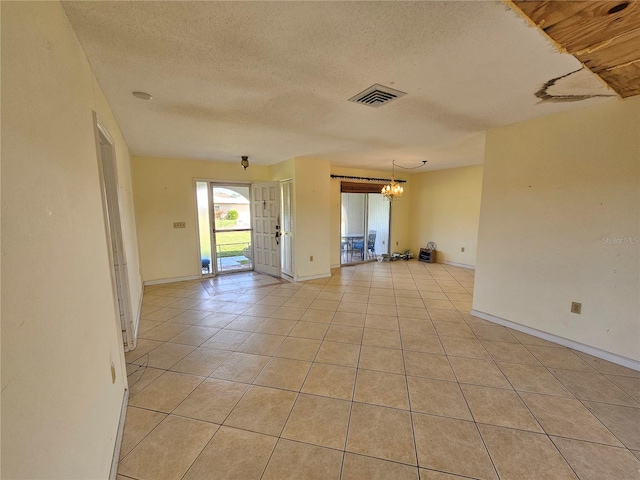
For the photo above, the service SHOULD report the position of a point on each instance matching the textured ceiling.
(272, 80)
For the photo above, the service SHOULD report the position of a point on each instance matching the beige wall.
(560, 222)
(164, 192)
(445, 209)
(60, 331)
(400, 211)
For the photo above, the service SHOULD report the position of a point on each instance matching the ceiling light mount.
(142, 95)
(244, 162)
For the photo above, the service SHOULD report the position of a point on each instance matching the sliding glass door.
(364, 227)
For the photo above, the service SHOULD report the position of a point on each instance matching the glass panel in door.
(377, 225)
(232, 228)
(352, 228)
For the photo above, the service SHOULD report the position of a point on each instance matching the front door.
(265, 200)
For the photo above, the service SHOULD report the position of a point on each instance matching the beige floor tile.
(298, 348)
(374, 319)
(337, 353)
(262, 410)
(212, 400)
(143, 347)
(406, 311)
(381, 359)
(598, 462)
(445, 315)
(276, 326)
(416, 325)
(420, 342)
(355, 298)
(437, 397)
(382, 433)
(139, 422)
(164, 331)
(168, 354)
(377, 337)
(382, 310)
(217, 320)
(452, 446)
(227, 340)
(496, 406)
(289, 313)
(527, 339)
(163, 314)
(622, 421)
(358, 467)
(318, 316)
(352, 289)
(464, 347)
(166, 392)
(246, 323)
(329, 305)
(294, 461)
(453, 329)
(607, 368)
(318, 420)
(344, 334)
(478, 372)
(298, 302)
(509, 352)
(593, 386)
(283, 373)
(330, 381)
(140, 377)
(330, 295)
(240, 367)
(438, 304)
(518, 454)
(349, 318)
(493, 333)
(262, 311)
(195, 335)
(636, 453)
(233, 454)
(168, 451)
(567, 417)
(380, 388)
(427, 365)
(146, 325)
(312, 330)
(553, 357)
(261, 344)
(529, 378)
(202, 361)
(433, 475)
(630, 385)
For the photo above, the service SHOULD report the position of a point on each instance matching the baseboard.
(116, 450)
(138, 318)
(172, 280)
(580, 347)
(461, 265)
(311, 277)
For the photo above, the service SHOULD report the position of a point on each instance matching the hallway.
(378, 372)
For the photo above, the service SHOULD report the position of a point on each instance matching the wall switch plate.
(179, 225)
(462, 249)
(576, 307)
(311, 258)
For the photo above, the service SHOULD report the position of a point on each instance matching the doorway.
(224, 227)
(364, 227)
(108, 172)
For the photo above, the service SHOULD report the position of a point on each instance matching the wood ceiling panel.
(603, 35)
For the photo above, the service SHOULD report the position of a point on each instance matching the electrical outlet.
(311, 258)
(462, 249)
(397, 244)
(576, 307)
(179, 225)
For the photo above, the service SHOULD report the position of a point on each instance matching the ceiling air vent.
(377, 95)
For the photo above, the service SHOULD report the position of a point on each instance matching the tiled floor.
(376, 373)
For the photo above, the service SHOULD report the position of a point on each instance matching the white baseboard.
(311, 277)
(580, 347)
(461, 265)
(172, 280)
(116, 449)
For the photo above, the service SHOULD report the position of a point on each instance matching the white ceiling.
(272, 80)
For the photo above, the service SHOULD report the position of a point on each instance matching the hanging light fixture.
(244, 162)
(393, 190)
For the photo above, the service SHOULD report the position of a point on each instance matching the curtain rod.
(348, 177)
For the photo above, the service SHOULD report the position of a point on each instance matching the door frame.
(110, 193)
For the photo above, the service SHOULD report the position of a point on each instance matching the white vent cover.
(377, 95)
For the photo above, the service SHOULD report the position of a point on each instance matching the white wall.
(60, 331)
(445, 209)
(555, 189)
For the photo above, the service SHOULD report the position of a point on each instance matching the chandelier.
(393, 190)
